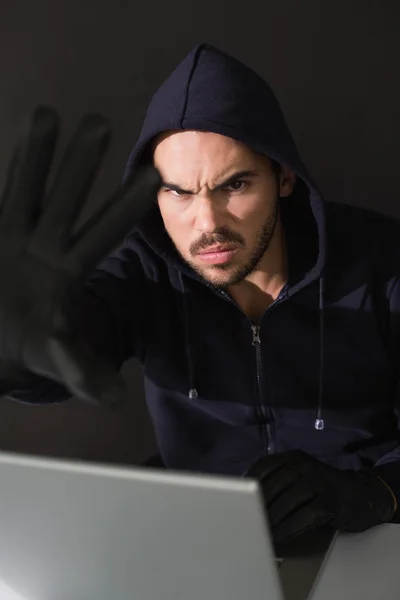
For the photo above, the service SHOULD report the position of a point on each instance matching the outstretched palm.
(43, 263)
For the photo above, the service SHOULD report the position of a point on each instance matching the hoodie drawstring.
(192, 390)
(319, 421)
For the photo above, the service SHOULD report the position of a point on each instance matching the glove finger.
(289, 502)
(86, 375)
(72, 183)
(284, 479)
(27, 176)
(107, 227)
(308, 517)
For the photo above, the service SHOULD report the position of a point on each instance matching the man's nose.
(209, 216)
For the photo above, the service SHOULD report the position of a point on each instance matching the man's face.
(219, 203)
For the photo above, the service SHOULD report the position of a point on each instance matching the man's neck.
(259, 290)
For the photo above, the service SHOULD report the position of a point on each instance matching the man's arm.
(110, 313)
(388, 466)
(388, 470)
(52, 323)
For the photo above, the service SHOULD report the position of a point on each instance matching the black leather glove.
(302, 493)
(44, 260)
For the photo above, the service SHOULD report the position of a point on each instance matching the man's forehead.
(189, 150)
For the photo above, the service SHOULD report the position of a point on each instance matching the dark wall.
(333, 66)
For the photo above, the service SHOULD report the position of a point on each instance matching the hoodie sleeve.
(110, 314)
(388, 466)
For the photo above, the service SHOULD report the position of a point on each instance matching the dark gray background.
(333, 65)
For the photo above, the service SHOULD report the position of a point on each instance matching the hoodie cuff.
(389, 474)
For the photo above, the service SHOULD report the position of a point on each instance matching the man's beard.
(225, 236)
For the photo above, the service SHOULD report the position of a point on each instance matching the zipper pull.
(256, 335)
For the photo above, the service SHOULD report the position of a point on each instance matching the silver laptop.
(75, 531)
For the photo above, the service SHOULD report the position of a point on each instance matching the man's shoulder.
(360, 225)
(136, 245)
(347, 213)
(132, 260)
(361, 240)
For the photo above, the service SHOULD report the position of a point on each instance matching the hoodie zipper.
(261, 408)
(261, 411)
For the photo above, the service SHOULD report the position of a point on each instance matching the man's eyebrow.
(234, 177)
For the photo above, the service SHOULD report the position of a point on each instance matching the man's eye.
(237, 186)
(175, 193)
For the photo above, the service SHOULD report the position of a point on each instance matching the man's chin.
(219, 277)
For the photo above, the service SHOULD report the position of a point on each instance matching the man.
(266, 320)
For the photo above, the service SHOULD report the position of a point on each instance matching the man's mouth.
(217, 254)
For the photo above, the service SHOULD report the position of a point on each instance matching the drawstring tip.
(319, 424)
(193, 393)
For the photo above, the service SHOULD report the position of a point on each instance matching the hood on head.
(212, 91)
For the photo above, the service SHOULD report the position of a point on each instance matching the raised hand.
(43, 262)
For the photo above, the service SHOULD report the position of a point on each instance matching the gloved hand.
(44, 261)
(302, 493)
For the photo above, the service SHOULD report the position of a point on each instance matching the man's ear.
(287, 181)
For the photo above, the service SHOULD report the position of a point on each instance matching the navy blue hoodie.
(320, 374)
